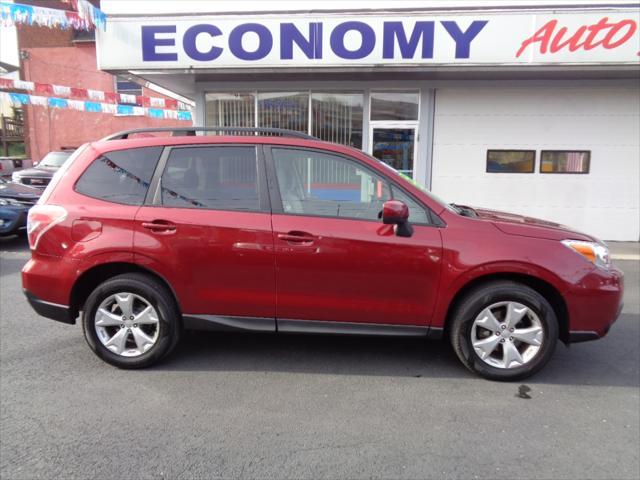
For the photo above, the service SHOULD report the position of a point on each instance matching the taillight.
(41, 219)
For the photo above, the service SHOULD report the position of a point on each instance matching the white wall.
(605, 202)
(9, 45)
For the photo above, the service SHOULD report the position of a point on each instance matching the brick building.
(68, 58)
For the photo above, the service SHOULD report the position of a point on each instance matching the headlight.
(594, 252)
(9, 201)
(15, 177)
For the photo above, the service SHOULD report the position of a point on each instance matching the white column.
(200, 116)
(424, 159)
(365, 121)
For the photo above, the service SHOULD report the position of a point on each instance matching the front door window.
(320, 184)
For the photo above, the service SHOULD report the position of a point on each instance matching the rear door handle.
(297, 237)
(160, 226)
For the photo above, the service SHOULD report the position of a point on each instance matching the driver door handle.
(160, 226)
(297, 237)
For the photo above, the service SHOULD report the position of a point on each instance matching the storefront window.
(395, 147)
(230, 109)
(511, 161)
(288, 110)
(565, 161)
(337, 117)
(394, 105)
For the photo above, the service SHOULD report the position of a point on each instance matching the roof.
(162, 141)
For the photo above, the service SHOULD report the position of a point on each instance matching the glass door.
(395, 145)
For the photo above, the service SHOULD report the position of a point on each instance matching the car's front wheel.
(504, 330)
(131, 321)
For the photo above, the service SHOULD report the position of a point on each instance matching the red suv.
(146, 237)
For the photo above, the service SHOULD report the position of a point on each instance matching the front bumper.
(594, 304)
(59, 313)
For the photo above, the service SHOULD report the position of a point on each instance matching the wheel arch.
(544, 288)
(94, 276)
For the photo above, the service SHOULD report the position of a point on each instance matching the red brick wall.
(74, 66)
(30, 36)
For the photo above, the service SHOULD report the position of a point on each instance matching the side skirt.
(228, 324)
(259, 324)
(345, 328)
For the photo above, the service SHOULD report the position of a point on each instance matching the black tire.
(158, 296)
(475, 301)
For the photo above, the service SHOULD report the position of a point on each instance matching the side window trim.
(272, 180)
(153, 194)
(155, 199)
(263, 187)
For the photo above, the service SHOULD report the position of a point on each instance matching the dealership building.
(527, 107)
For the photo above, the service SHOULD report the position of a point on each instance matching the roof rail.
(191, 131)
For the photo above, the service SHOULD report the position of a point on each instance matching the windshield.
(410, 180)
(54, 159)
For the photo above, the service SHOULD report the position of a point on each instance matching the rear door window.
(121, 176)
(216, 178)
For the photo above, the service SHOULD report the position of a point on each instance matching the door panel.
(209, 231)
(356, 271)
(335, 259)
(217, 262)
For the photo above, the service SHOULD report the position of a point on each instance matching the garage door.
(595, 131)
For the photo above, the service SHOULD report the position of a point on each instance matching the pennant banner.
(90, 13)
(19, 99)
(88, 94)
(87, 17)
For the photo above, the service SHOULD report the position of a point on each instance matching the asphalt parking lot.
(263, 406)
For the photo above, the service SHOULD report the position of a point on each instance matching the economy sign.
(341, 40)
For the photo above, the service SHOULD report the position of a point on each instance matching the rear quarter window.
(60, 173)
(121, 176)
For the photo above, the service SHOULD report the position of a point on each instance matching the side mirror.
(395, 212)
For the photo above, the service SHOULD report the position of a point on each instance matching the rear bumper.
(59, 313)
(47, 282)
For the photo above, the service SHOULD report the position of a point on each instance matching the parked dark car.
(13, 219)
(145, 237)
(8, 165)
(15, 201)
(40, 175)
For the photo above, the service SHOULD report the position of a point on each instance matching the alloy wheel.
(127, 324)
(507, 335)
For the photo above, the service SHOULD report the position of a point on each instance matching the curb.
(625, 256)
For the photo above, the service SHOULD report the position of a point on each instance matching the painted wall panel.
(605, 202)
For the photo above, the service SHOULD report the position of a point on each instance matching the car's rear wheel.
(504, 330)
(131, 321)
